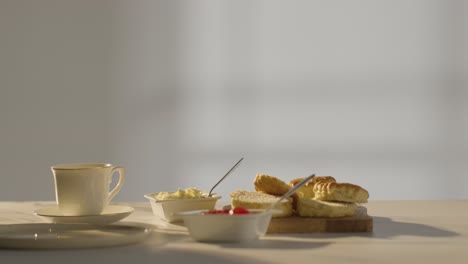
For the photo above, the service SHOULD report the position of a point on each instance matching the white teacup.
(83, 188)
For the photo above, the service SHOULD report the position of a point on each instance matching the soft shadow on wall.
(329, 88)
(178, 91)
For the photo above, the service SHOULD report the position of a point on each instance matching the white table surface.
(404, 232)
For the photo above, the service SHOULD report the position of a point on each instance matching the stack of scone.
(322, 196)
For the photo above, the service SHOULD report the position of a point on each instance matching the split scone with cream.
(308, 207)
(259, 200)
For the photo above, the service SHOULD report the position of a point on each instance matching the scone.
(342, 192)
(259, 200)
(307, 190)
(272, 185)
(308, 207)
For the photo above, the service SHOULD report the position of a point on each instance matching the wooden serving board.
(360, 222)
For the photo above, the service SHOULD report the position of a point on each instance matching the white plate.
(52, 236)
(111, 214)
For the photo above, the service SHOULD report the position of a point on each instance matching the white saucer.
(111, 214)
(48, 236)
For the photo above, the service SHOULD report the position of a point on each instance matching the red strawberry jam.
(239, 210)
(214, 211)
(234, 211)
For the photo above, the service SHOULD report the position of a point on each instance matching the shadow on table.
(154, 249)
(128, 254)
(162, 234)
(386, 228)
(276, 244)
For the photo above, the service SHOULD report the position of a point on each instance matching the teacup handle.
(120, 183)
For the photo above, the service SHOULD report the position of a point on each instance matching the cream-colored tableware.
(167, 209)
(111, 214)
(227, 227)
(83, 188)
(53, 236)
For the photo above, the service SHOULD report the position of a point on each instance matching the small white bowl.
(167, 209)
(226, 227)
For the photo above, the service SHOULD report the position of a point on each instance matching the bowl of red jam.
(227, 225)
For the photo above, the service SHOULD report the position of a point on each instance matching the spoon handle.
(290, 192)
(235, 166)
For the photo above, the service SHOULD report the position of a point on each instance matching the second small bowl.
(205, 227)
(167, 210)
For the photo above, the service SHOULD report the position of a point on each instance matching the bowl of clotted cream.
(166, 205)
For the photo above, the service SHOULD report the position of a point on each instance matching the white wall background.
(371, 92)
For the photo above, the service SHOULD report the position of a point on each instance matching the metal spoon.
(289, 193)
(235, 166)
